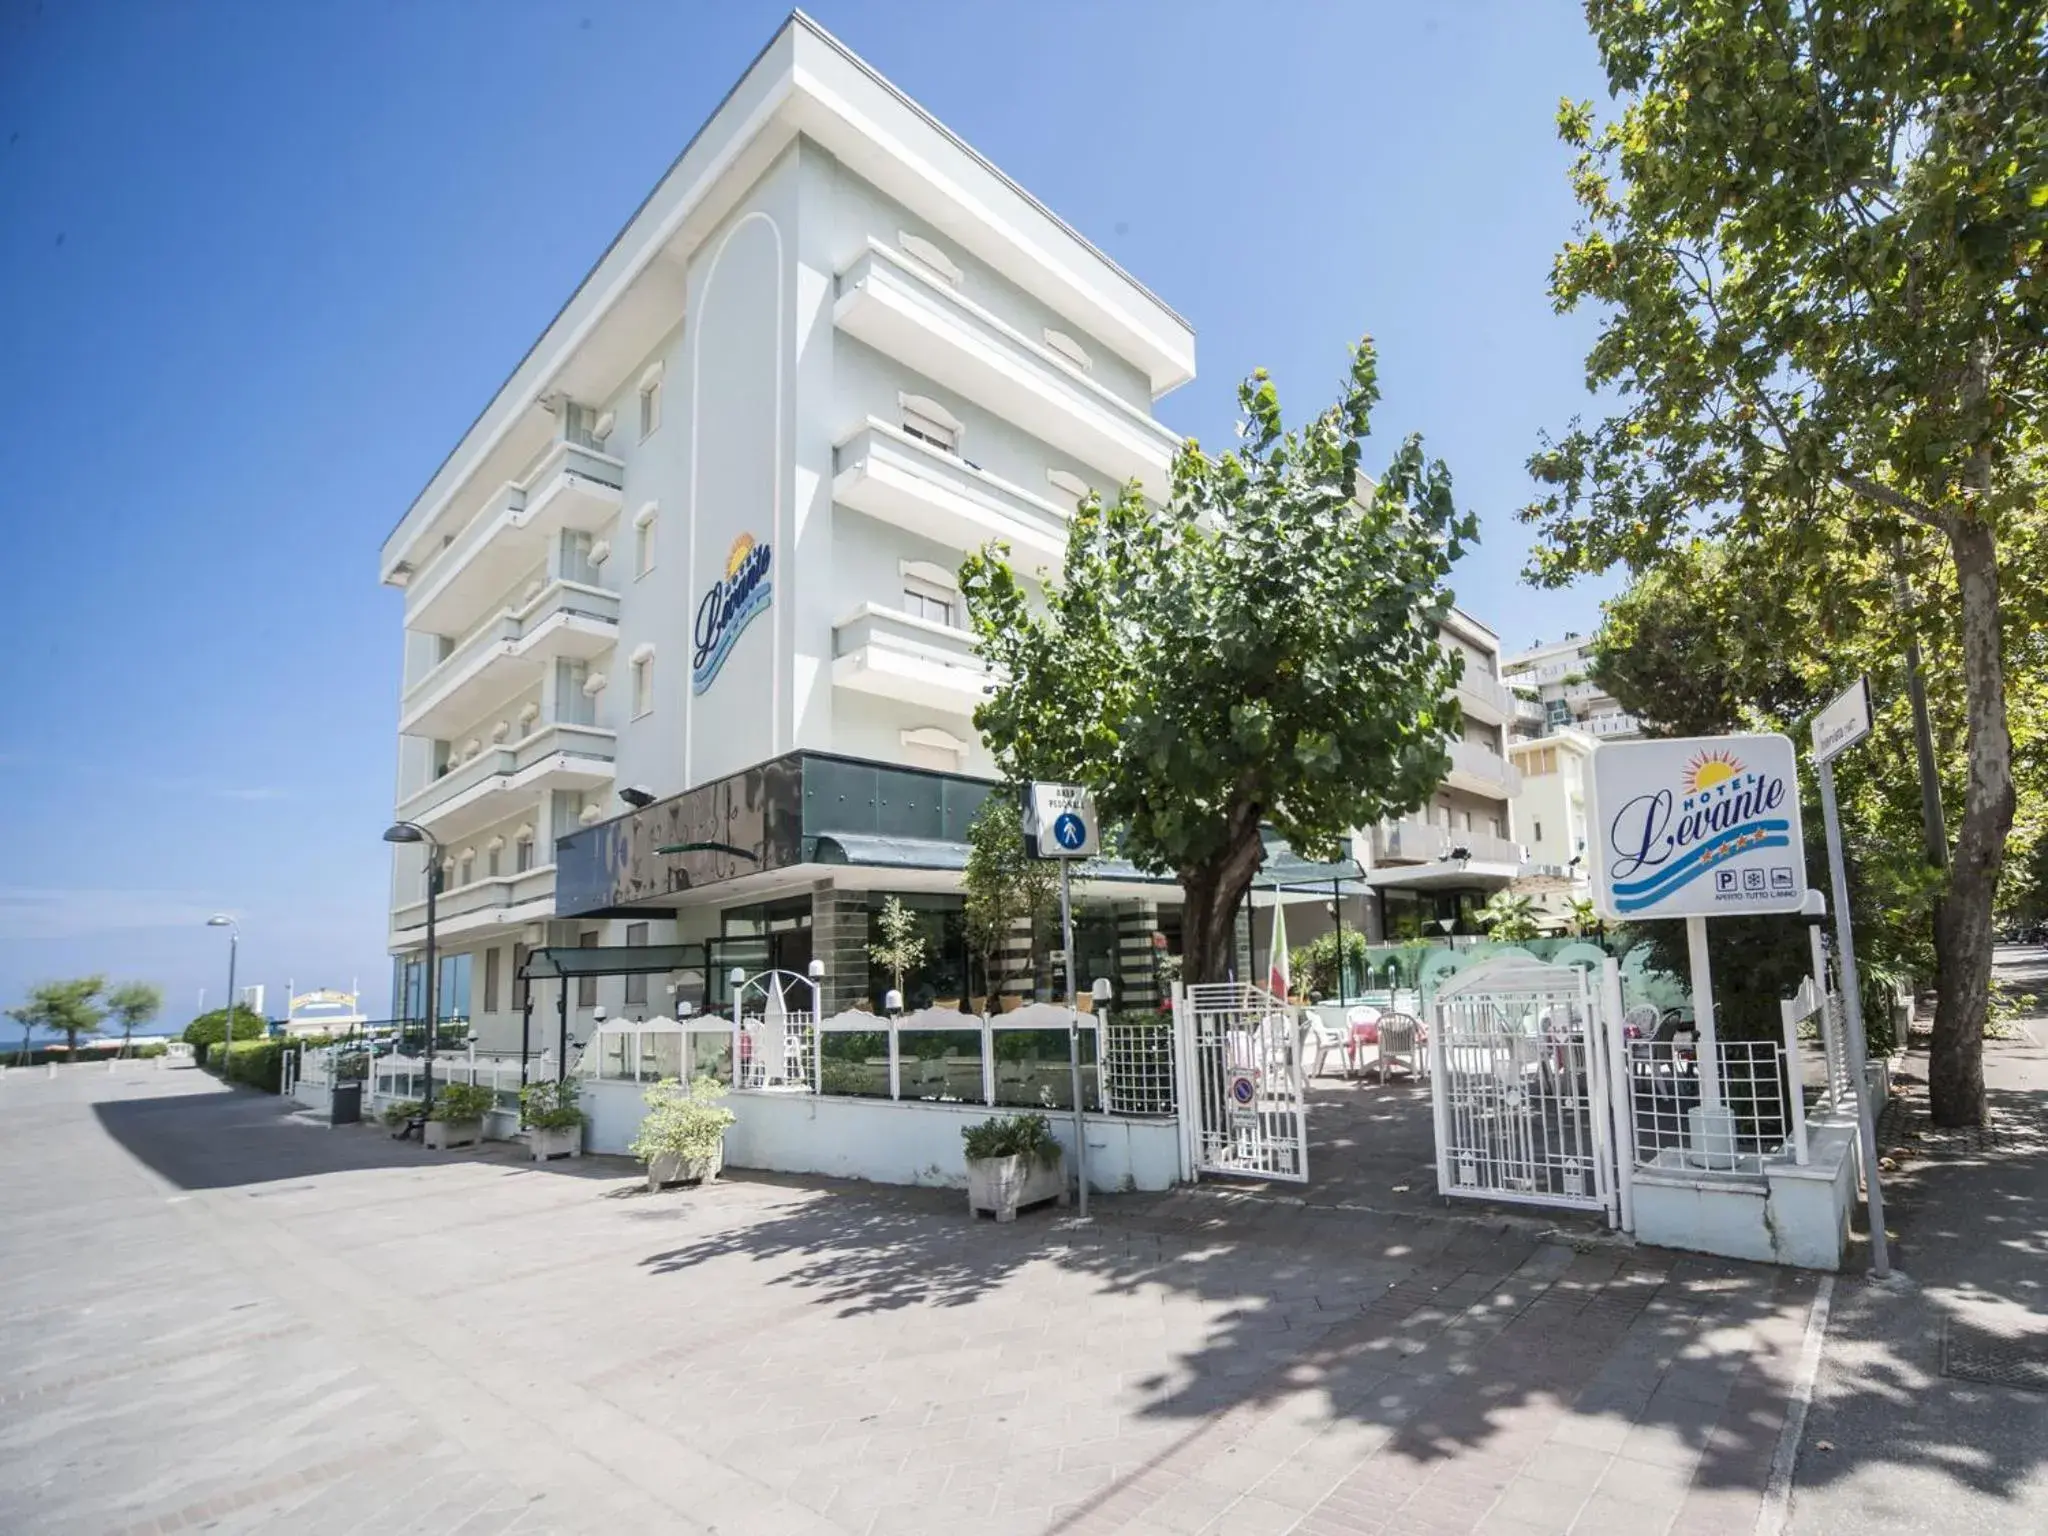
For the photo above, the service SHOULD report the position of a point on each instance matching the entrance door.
(1241, 1085)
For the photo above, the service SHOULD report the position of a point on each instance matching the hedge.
(259, 1063)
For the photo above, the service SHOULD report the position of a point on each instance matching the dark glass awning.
(611, 960)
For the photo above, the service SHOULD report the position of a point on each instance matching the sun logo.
(1709, 769)
(742, 547)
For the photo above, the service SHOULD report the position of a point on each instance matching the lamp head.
(404, 832)
(220, 920)
(737, 976)
(637, 797)
(892, 1001)
(815, 970)
(597, 1013)
(1101, 989)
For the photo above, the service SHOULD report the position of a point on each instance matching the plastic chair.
(1400, 1043)
(1361, 1029)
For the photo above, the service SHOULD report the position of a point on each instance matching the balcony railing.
(505, 654)
(1475, 768)
(1611, 724)
(899, 310)
(492, 894)
(572, 487)
(918, 661)
(556, 755)
(1484, 699)
(1410, 840)
(886, 473)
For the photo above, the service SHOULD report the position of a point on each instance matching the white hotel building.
(702, 543)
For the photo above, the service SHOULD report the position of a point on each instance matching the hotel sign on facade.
(1697, 827)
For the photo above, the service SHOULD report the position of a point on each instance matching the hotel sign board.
(1702, 826)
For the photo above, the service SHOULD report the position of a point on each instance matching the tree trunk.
(1962, 922)
(1210, 894)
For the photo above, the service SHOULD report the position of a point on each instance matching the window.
(466, 870)
(650, 402)
(586, 986)
(929, 421)
(522, 853)
(923, 602)
(493, 958)
(643, 541)
(636, 986)
(1468, 821)
(522, 986)
(1537, 831)
(643, 684)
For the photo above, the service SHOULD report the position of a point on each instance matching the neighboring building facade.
(1429, 872)
(1558, 678)
(701, 547)
(1556, 774)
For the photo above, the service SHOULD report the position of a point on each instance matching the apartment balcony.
(1482, 698)
(508, 654)
(1417, 854)
(893, 655)
(1410, 840)
(1480, 772)
(494, 901)
(1582, 690)
(885, 472)
(1611, 724)
(575, 487)
(475, 793)
(899, 310)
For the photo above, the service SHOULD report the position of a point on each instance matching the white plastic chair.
(1401, 1045)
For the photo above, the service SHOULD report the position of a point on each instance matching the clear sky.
(260, 265)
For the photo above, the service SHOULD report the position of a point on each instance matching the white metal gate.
(1241, 1086)
(1519, 1074)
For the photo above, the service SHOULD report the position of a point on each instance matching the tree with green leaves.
(70, 1007)
(1583, 917)
(1261, 650)
(210, 1029)
(134, 1003)
(1509, 917)
(902, 945)
(1003, 886)
(28, 1013)
(1817, 232)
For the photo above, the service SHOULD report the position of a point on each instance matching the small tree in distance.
(902, 946)
(1261, 650)
(70, 1006)
(29, 1015)
(1003, 885)
(133, 1003)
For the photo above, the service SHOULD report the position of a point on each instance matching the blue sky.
(261, 265)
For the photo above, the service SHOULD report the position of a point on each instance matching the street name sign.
(1843, 723)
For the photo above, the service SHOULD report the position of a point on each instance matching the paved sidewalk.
(228, 1319)
(1931, 1409)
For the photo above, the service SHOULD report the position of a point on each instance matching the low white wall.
(615, 1110)
(919, 1143)
(1791, 1215)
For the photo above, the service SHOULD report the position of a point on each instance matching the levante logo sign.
(729, 607)
(1698, 828)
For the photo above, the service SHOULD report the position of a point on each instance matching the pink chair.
(1364, 1031)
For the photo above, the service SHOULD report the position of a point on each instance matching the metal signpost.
(1698, 827)
(1840, 726)
(1059, 823)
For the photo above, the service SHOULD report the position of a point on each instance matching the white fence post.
(1614, 1041)
(1799, 1007)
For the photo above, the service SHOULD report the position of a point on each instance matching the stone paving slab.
(236, 1321)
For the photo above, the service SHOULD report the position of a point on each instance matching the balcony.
(897, 309)
(478, 792)
(508, 654)
(1482, 698)
(1413, 852)
(1410, 840)
(574, 487)
(888, 474)
(495, 900)
(1611, 724)
(1530, 711)
(1480, 772)
(892, 655)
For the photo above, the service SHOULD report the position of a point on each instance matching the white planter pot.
(999, 1185)
(673, 1168)
(564, 1142)
(442, 1134)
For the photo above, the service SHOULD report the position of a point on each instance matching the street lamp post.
(222, 920)
(413, 832)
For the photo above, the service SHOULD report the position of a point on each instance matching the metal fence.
(1676, 1125)
(1137, 1064)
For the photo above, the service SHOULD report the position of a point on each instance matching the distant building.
(1554, 774)
(1557, 679)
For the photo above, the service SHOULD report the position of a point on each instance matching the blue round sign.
(1069, 831)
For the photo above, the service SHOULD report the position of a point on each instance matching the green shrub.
(211, 1028)
(550, 1106)
(682, 1121)
(400, 1111)
(150, 1051)
(252, 1063)
(1012, 1136)
(462, 1101)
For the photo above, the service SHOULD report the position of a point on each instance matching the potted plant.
(457, 1118)
(1013, 1161)
(554, 1124)
(683, 1136)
